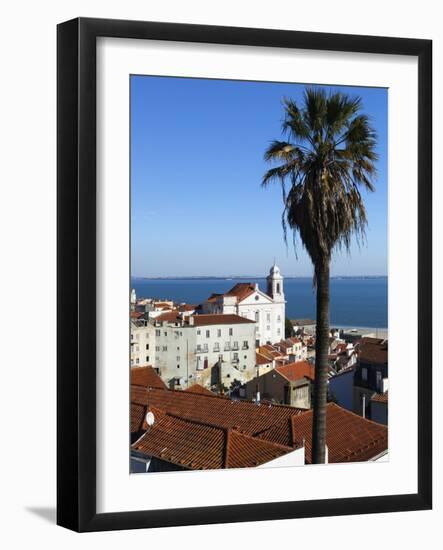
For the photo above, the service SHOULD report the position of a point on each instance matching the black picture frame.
(76, 281)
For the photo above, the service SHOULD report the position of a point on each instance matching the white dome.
(275, 270)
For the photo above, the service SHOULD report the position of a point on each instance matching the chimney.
(191, 320)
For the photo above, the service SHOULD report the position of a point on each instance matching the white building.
(267, 310)
(187, 347)
(142, 343)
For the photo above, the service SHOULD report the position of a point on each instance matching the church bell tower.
(275, 284)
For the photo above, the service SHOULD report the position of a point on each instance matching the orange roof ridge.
(203, 319)
(297, 370)
(146, 377)
(170, 390)
(331, 404)
(198, 421)
(198, 388)
(255, 438)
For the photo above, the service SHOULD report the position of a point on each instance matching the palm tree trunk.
(321, 363)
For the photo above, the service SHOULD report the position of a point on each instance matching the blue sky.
(197, 207)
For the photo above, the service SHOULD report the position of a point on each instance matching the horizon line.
(250, 276)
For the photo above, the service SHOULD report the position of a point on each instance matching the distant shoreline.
(350, 327)
(360, 329)
(355, 301)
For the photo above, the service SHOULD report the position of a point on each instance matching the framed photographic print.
(244, 274)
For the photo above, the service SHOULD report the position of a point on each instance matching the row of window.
(136, 336)
(235, 359)
(164, 348)
(219, 332)
(137, 348)
(178, 333)
(202, 348)
(137, 360)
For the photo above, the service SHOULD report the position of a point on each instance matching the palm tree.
(329, 156)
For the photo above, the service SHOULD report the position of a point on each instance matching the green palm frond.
(328, 156)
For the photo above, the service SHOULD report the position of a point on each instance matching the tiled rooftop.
(199, 445)
(349, 437)
(245, 416)
(373, 350)
(219, 319)
(138, 413)
(169, 316)
(241, 291)
(269, 351)
(136, 314)
(146, 377)
(262, 359)
(296, 371)
(199, 389)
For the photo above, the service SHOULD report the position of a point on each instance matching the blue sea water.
(355, 302)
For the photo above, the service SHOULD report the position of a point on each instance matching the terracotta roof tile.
(296, 371)
(146, 377)
(241, 291)
(198, 445)
(136, 314)
(349, 437)
(245, 451)
(373, 350)
(245, 416)
(262, 359)
(219, 319)
(169, 316)
(138, 413)
(380, 397)
(269, 351)
(198, 388)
